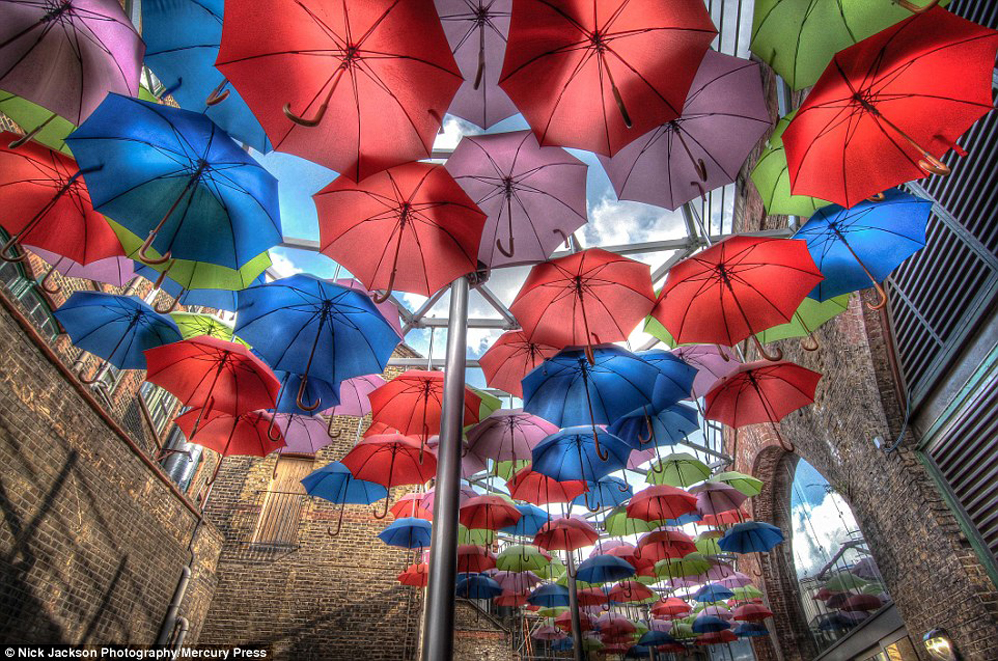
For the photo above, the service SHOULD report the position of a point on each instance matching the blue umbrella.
(675, 381)
(608, 491)
(549, 595)
(477, 586)
(691, 517)
(315, 390)
(335, 483)
(713, 592)
(667, 427)
(407, 532)
(317, 329)
(835, 622)
(854, 248)
(710, 624)
(751, 630)
(604, 569)
(182, 39)
(216, 299)
(532, 519)
(562, 645)
(573, 454)
(638, 651)
(116, 328)
(175, 176)
(750, 537)
(652, 638)
(567, 390)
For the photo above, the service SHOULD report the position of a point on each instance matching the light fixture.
(940, 646)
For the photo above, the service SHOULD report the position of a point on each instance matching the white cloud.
(818, 532)
(613, 222)
(283, 264)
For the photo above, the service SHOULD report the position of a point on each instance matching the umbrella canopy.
(388, 309)
(660, 544)
(412, 403)
(724, 116)
(193, 324)
(608, 491)
(672, 607)
(508, 435)
(750, 537)
(515, 581)
(710, 624)
(477, 586)
(380, 69)
(604, 569)
(510, 358)
(548, 633)
(334, 482)
(887, 108)
(549, 595)
(116, 328)
(751, 629)
(573, 454)
(115, 271)
(751, 613)
(182, 39)
(43, 126)
(748, 485)
(410, 228)
(667, 427)
(303, 434)
(390, 460)
(629, 592)
(661, 502)
(533, 196)
(715, 497)
(810, 316)
(679, 469)
(474, 559)
(489, 512)
(771, 177)
(713, 592)
(407, 533)
(521, 558)
(692, 564)
(595, 76)
(319, 391)
(412, 505)
(532, 518)
(354, 395)
(566, 534)
(67, 56)
(177, 178)
(416, 576)
(618, 524)
(711, 361)
(535, 487)
(243, 434)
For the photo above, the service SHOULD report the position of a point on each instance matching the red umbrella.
(627, 591)
(887, 108)
(411, 228)
(735, 289)
(565, 534)
(570, 62)
(46, 204)
(661, 502)
(670, 608)
(586, 621)
(726, 518)
(586, 298)
(662, 544)
(411, 505)
(381, 69)
(511, 358)
(861, 602)
(717, 637)
(751, 613)
(378, 428)
(390, 460)
(761, 392)
(472, 559)
(533, 487)
(415, 575)
(488, 512)
(512, 599)
(591, 597)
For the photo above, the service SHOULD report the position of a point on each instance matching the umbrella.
(751, 629)
(539, 489)
(313, 390)
(710, 624)
(335, 483)
(750, 537)
(407, 533)
(42, 125)
(735, 289)
(477, 586)
(660, 544)
(564, 621)
(691, 564)
(759, 392)
(618, 524)
(748, 485)
(711, 361)
(489, 512)
(116, 328)
(194, 324)
(842, 581)
(463, 494)
(303, 434)
(388, 309)
(661, 502)
(412, 505)
(606, 492)
(667, 427)
(530, 521)
(751, 613)
(857, 247)
(574, 453)
(566, 534)
(474, 559)
(862, 602)
(410, 228)
(713, 592)
(381, 69)
(548, 633)
(416, 576)
(176, 177)
(508, 435)
(479, 537)
(115, 271)
(569, 62)
(736, 580)
(521, 558)
(549, 595)
(672, 607)
(316, 329)
(603, 569)
(629, 592)
(810, 316)
(533, 196)
(724, 116)
(47, 204)
(67, 56)
(510, 358)
(512, 599)
(354, 395)
(679, 469)
(715, 497)
(887, 108)
(390, 460)
(798, 38)
(771, 177)
(584, 298)
(515, 581)
(182, 39)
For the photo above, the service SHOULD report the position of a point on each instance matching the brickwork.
(479, 637)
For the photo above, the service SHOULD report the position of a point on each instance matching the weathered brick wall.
(479, 637)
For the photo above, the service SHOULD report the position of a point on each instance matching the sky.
(822, 521)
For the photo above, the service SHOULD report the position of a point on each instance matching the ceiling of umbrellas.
(111, 180)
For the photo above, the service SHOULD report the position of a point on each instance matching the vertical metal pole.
(438, 639)
(573, 608)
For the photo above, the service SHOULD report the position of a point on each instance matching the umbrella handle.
(723, 353)
(329, 429)
(879, 197)
(143, 254)
(383, 514)
(339, 523)
(42, 284)
(379, 298)
(618, 99)
(882, 303)
(96, 377)
(787, 446)
(8, 252)
(915, 9)
(778, 356)
(928, 163)
(317, 117)
(301, 392)
(651, 432)
(481, 59)
(270, 428)
(812, 346)
(499, 245)
(568, 244)
(217, 95)
(173, 306)
(30, 134)
(624, 490)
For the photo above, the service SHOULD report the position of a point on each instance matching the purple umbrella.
(866, 569)
(680, 583)
(736, 580)
(724, 116)
(303, 434)
(665, 626)
(470, 463)
(353, 395)
(640, 457)
(605, 545)
(110, 270)
(508, 435)
(464, 494)
(717, 497)
(548, 633)
(515, 581)
(387, 309)
(717, 611)
(476, 31)
(710, 363)
(534, 196)
(67, 56)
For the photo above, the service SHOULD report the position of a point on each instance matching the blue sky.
(822, 521)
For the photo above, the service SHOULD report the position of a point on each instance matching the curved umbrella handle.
(382, 298)
(568, 244)
(96, 377)
(598, 507)
(339, 523)
(217, 95)
(599, 449)
(20, 142)
(787, 446)
(915, 9)
(503, 250)
(879, 197)
(774, 357)
(8, 252)
(301, 393)
(173, 306)
(590, 356)
(43, 283)
(144, 255)
(270, 435)
(309, 122)
(625, 489)
(383, 514)
(933, 165)
(812, 346)
(651, 432)
(329, 429)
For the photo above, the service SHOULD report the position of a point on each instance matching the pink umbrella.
(110, 270)
(387, 309)
(303, 434)
(353, 394)
(641, 457)
(464, 494)
(717, 611)
(712, 362)
(470, 464)
(508, 435)
(665, 626)
(510, 358)
(515, 581)
(548, 633)
(736, 580)
(718, 571)
(606, 545)
(717, 497)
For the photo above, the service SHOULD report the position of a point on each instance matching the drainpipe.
(171, 620)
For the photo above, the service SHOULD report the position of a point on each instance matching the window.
(15, 280)
(282, 503)
(160, 403)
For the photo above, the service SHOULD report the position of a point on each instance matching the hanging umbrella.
(412, 403)
(751, 613)
(887, 109)
(566, 534)
(489, 512)
(573, 454)
(116, 328)
(760, 392)
(410, 228)
(114, 271)
(533, 196)
(407, 533)
(841, 581)
(182, 39)
(603, 569)
(512, 599)
(735, 289)
(388, 309)
(661, 502)
(810, 316)
(798, 37)
(745, 593)
(564, 621)
(667, 427)
(390, 460)
(47, 204)
(750, 537)
(539, 489)
(478, 537)
(521, 558)
(675, 379)
(606, 492)
(412, 505)
(862, 602)
(510, 358)
(548, 633)
(530, 521)
(771, 177)
(711, 593)
(508, 435)
(679, 469)
(583, 299)
(711, 361)
(692, 564)
(549, 595)
(710, 624)
(748, 485)
(724, 116)
(380, 69)
(750, 630)
(42, 125)
(463, 494)
(67, 56)
(354, 395)
(308, 326)
(859, 247)
(618, 524)
(716, 497)
(303, 434)
(477, 586)
(661, 544)
(314, 390)
(416, 576)
(195, 324)
(568, 63)
(672, 607)
(515, 581)
(737, 580)
(335, 483)
(476, 31)
(474, 559)
(627, 592)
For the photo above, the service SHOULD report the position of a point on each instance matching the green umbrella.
(682, 630)
(618, 524)
(647, 580)
(692, 564)
(772, 179)
(844, 581)
(552, 571)
(655, 328)
(580, 584)
(522, 557)
(702, 605)
(591, 644)
(748, 485)
(192, 324)
(507, 469)
(553, 611)
(747, 593)
(706, 543)
(874, 588)
(679, 469)
(799, 37)
(475, 536)
(808, 318)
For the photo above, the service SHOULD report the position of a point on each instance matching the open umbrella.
(711, 593)
(335, 483)
(672, 607)
(724, 116)
(66, 56)
(530, 521)
(573, 454)
(618, 524)
(115, 271)
(604, 569)
(549, 595)
(660, 502)
(539, 489)
(748, 485)
(303, 434)
(751, 613)
(488, 512)
(354, 395)
(596, 75)
(667, 427)
(566, 534)
(412, 505)
(679, 469)
(627, 592)
(750, 537)
(508, 435)
(43, 126)
(661, 544)
(711, 361)
(390, 460)
(533, 196)
(810, 316)
(548, 633)
(412, 403)
(416, 576)
(713, 498)
(606, 492)
(407, 533)
(474, 559)
(521, 558)
(410, 228)
(510, 358)
(887, 108)
(771, 176)
(477, 586)
(380, 69)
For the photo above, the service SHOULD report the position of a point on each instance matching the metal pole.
(438, 639)
(573, 608)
